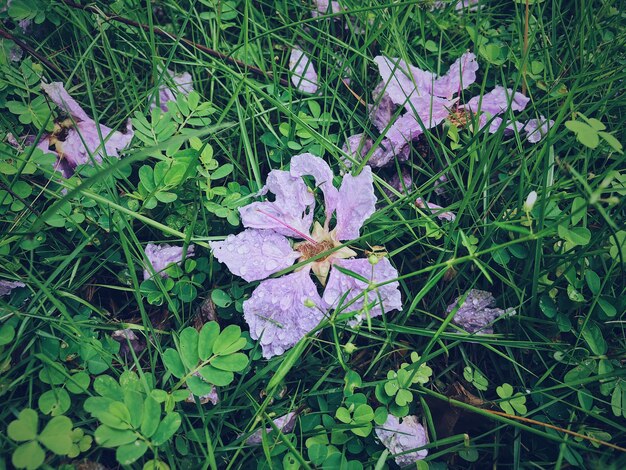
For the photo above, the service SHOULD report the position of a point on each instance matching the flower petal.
(7, 286)
(176, 83)
(356, 203)
(403, 80)
(437, 211)
(291, 214)
(309, 164)
(285, 423)
(431, 110)
(161, 256)
(403, 438)
(537, 129)
(276, 312)
(476, 313)
(255, 254)
(497, 101)
(383, 109)
(325, 7)
(340, 284)
(59, 96)
(303, 74)
(462, 74)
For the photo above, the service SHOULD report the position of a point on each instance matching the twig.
(5, 34)
(165, 34)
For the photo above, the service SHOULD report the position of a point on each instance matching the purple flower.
(285, 424)
(537, 129)
(477, 312)
(76, 140)
(303, 74)
(161, 256)
(437, 211)
(7, 286)
(325, 7)
(180, 83)
(281, 311)
(403, 438)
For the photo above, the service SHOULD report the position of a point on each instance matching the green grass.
(84, 279)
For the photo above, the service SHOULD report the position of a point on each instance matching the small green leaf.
(234, 362)
(108, 387)
(209, 332)
(593, 336)
(172, 362)
(188, 347)
(228, 341)
(57, 435)
(78, 383)
(108, 437)
(24, 428)
(151, 416)
(54, 402)
(343, 415)
(198, 386)
(130, 453)
(217, 377)
(29, 456)
(166, 428)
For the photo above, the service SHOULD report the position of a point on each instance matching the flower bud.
(531, 199)
(373, 259)
(309, 303)
(349, 348)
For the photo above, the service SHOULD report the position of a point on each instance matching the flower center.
(310, 250)
(459, 118)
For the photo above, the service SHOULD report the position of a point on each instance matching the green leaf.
(29, 456)
(228, 341)
(217, 377)
(130, 453)
(612, 141)
(78, 383)
(222, 172)
(608, 308)
(363, 414)
(166, 428)
(593, 281)
(151, 416)
(57, 435)
(616, 401)
(208, 334)
(578, 210)
(585, 134)
(593, 337)
(24, 428)
(54, 402)
(7, 333)
(234, 362)
(107, 386)
(198, 386)
(504, 391)
(221, 298)
(188, 347)
(343, 415)
(172, 362)
(134, 402)
(108, 437)
(403, 397)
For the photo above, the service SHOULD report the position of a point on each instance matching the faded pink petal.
(7, 286)
(461, 75)
(537, 129)
(161, 256)
(285, 423)
(477, 313)
(340, 285)
(307, 164)
(291, 214)
(402, 80)
(303, 74)
(255, 254)
(437, 211)
(277, 315)
(174, 84)
(403, 438)
(497, 101)
(59, 96)
(383, 109)
(356, 203)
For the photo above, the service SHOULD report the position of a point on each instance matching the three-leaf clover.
(516, 404)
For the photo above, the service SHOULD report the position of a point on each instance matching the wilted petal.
(462, 74)
(402, 80)
(178, 83)
(59, 96)
(400, 182)
(340, 284)
(431, 110)
(477, 312)
(308, 164)
(356, 203)
(325, 7)
(285, 423)
(537, 129)
(161, 256)
(276, 312)
(437, 211)
(403, 438)
(357, 146)
(497, 101)
(7, 286)
(255, 254)
(303, 74)
(291, 214)
(383, 109)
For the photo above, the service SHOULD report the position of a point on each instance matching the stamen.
(276, 219)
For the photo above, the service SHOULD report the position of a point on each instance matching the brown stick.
(25, 47)
(165, 34)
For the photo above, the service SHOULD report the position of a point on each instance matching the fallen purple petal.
(356, 204)
(174, 84)
(436, 210)
(537, 129)
(403, 438)
(303, 74)
(285, 424)
(161, 256)
(477, 312)
(7, 286)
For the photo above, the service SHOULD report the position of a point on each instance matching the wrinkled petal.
(383, 109)
(255, 254)
(477, 312)
(7, 286)
(285, 423)
(277, 315)
(431, 110)
(403, 80)
(161, 256)
(178, 83)
(403, 438)
(357, 146)
(59, 96)
(437, 211)
(400, 182)
(309, 164)
(497, 101)
(537, 129)
(303, 74)
(340, 284)
(291, 214)
(461, 75)
(356, 203)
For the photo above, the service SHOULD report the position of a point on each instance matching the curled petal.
(255, 254)
(277, 315)
(303, 74)
(59, 96)
(403, 80)
(285, 423)
(340, 284)
(537, 129)
(403, 438)
(7, 286)
(161, 256)
(462, 74)
(356, 203)
(437, 211)
(477, 312)
(309, 164)
(497, 101)
(382, 111)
